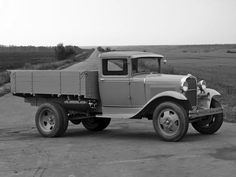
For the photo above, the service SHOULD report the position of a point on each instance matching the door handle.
(102, 79)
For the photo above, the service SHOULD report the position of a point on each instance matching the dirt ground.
(126, 148)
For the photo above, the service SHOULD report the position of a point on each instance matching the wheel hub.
(169, 122)
(47, 120)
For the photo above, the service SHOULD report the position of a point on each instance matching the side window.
(114, 67)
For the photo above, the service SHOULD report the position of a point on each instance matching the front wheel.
(96, 124)
(210, 124)
(170, 121)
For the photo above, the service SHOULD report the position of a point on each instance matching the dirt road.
(127, 148)
(90, 64)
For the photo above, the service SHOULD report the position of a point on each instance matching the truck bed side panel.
(46, 82)
(21, 82)
(70, 83)
(91, 85)
(55, 82)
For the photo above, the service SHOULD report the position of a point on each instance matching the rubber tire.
(219, 118)
(76, 122)
(61, 122)
(184, 123)
(98, 124)
(65, 117)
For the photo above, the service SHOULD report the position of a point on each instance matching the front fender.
(204, 99)
(169, 94)
(172, 94)
(212, 92)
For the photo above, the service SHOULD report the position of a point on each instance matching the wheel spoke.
(45, 118)
(166, 129)
(51, 127)
(167, 114)
(45, 123)
(52, 119)
(47, 126)
(174, 117)
(174, 126)
(162, 121)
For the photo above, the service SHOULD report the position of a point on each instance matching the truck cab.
(121, 78)
(128, 80)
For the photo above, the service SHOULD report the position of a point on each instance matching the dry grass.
(47, 66)
(13, 60)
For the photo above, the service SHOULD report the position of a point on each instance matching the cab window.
(114, 67)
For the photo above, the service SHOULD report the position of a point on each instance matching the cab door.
(114, 83)
(138, 91)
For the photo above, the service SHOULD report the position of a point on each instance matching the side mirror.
(165, 61)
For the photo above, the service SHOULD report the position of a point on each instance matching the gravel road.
(127, 148)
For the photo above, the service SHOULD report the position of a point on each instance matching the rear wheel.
(210, 124)
(96, 124)
(170, 121)
(51, 120)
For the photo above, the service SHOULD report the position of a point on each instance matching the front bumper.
(199, 113)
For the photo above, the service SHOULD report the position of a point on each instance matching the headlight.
(202, 85)
(184, 86)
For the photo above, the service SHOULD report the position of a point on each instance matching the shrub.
(60, 52)
(107, 49)
(231, 51)
(69, 51)
(100, 49)
(63, 53)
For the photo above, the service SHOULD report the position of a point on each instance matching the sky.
(117, 22)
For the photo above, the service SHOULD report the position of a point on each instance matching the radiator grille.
(191, 94)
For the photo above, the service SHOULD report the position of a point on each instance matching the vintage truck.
(128, 84)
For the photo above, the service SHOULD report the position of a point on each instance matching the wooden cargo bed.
(55, 82)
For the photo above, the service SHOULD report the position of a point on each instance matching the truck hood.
(157, 83)
(161, 78)
(164, 78)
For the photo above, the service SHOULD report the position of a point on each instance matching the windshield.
(145, 65)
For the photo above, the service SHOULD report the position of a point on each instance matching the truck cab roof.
(129, 54)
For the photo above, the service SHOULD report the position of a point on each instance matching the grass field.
(18, 60)
(13, 57)
(214, 63)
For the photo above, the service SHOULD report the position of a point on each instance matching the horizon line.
(12, 45)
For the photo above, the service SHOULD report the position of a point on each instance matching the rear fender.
(164, 96)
